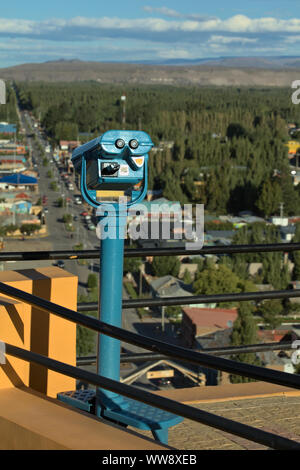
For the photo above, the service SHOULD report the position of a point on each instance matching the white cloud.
(175, 35)
(292, 39)
(175, 14)
(98, 27)
(163, 11)
(231, 39)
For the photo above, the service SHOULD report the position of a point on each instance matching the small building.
(153, 194)
(170, 286)
(254, 268)
(287, 233)
(220, 237)
(7, 129)
(160, 208)
(293, 146)
(69, 144)
(296, 177)
(197, 322)
(190, 267)
(19, 181)
(280, 221)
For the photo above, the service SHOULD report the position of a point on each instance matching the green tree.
(269, 198)
(296, 268)
(244, 332)
(216, 279)
(85, 341)
(187, 278)
(270, 311)
(28, 229)
(296, 255)
(66, 130)
(174, 311)
(61, 202)
(164, 265)
(235, 130)
(220, 279)
(92, 281)
(132, 265)
(67, 218)
(10, 228)
(85, 337)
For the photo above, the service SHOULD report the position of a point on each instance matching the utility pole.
(163, 318)
(123, 99)
(281, 209)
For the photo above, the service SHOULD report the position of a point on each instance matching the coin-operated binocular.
(117, 160)
(114, 163)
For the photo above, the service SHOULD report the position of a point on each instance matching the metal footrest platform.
(82, 399)
(125, 410)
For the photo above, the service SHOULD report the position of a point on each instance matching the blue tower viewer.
(116, 161)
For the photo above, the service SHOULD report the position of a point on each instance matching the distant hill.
(248, 71)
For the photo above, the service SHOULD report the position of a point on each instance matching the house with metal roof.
(170, 286)
(18, 180)
(6, 128)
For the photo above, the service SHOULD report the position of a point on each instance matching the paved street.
(58, 238)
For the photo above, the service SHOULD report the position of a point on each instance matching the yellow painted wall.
(42, 333)
(31, 422)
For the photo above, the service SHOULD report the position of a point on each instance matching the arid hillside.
(152, 74)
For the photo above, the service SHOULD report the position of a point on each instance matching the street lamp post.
(123, 100)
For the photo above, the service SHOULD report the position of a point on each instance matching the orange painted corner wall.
(30, 328)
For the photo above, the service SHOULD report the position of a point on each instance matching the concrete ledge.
(228, 392)
(30, 421)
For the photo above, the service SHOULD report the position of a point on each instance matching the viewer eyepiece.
(119, 143)
(133, 144)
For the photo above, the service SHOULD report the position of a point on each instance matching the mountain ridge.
(234, 71)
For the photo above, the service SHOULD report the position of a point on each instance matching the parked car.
(91, 227)
(60, 263)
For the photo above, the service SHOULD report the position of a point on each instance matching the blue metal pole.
(110, 299)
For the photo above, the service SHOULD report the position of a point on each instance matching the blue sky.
(37, 31)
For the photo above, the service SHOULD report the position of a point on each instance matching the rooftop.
(167, 286)
(212, 317)
(18, 178)
(268, 407)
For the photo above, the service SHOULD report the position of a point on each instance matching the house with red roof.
(198, 322)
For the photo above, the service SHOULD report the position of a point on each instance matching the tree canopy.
(225, 148)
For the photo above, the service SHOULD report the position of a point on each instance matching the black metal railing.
(145, 252)
(209, 358)
(223, 424)
(198, 299)
(177, 352)
(226, 351)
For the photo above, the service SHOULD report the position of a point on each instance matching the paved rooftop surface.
(279, 415)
